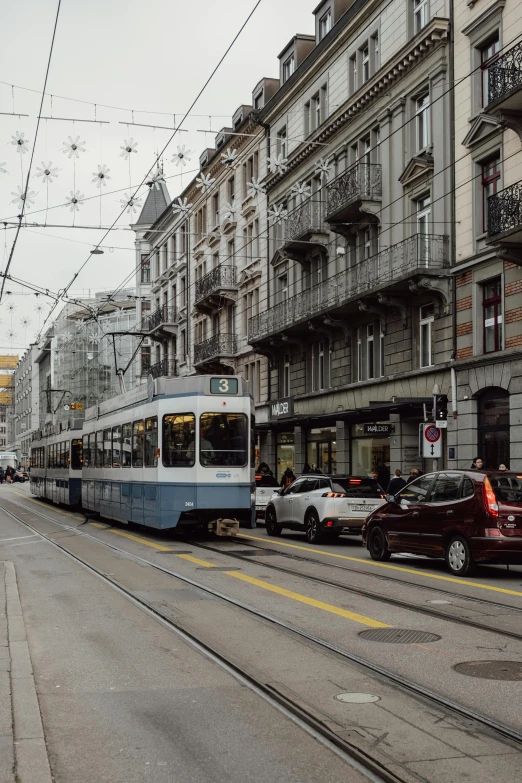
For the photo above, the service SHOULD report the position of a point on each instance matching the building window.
(492, 315)
(258, 101)
(286, 375)
(282, 288)
(422, 112)
(145, 268)
(318, 366)
(253, 376)
(365, 63)
(183, 239)
(370, 350)
(420, 15)
(423, 228)
(307, 119)
(231, 187)
(281, 142)
(376, 54)
(215, 209)
(490, 181)
(488, 55)
(353, 74)
(426, 319)
(316, 109)
(231, 251)
(325, 24)
(183, 292)
(381, 349)
(288, 68)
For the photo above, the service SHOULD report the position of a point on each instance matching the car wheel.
(377, 544)
(458, 557)
(313, 531)
(272, 528)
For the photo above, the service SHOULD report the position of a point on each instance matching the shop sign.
(282, 409)
(377, 429)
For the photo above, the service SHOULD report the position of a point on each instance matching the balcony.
(302, 229)
(215, 348)
(166, 368)
(213, 288)
(359, 189)
(505, 222)
(391, 269)
(162, 322)
(505, 82)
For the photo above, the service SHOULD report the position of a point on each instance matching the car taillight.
(490, 499)
(333, 495)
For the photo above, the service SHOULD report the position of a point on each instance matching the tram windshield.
(223, 439)
(178, 440)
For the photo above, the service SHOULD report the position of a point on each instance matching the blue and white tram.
(179, 451)
(56, 466)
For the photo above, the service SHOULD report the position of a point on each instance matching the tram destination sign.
(282, 409)
(378, 429)
(223, 385)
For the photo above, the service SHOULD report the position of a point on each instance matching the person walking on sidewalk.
(396, 484)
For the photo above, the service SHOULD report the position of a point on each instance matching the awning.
(375, 409)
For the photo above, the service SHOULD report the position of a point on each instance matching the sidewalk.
(23, 752)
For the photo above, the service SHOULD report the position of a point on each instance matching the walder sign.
(282, 409)
(377, 429)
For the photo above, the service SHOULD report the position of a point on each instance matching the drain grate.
(491, 670)
(398, 636)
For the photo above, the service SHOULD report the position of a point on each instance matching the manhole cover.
(491, 670)
(398, 636)
(357, 698)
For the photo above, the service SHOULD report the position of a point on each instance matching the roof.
(156, 202)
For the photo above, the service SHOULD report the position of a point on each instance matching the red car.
(464, 516)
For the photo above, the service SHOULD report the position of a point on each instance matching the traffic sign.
(442, 424)
(431, 441)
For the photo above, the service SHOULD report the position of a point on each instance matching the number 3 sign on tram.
(431, 441)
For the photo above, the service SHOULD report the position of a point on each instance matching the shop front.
(321, 449)
(370, 450)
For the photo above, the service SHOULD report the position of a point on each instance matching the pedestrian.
(263, 470)
(503, 466)
(287, 478)
(2, 476)
(396, 484)
(477, 464)
(314, 469)
(383, 475)
(306, 468)
(414, 474)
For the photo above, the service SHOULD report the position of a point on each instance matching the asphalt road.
(123, 698)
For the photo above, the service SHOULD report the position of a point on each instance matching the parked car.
(20, 475)
(323, 506)
(464, 516)
(265, 488)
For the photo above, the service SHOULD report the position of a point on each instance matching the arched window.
(493, 427)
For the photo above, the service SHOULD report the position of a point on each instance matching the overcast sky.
(149, 56)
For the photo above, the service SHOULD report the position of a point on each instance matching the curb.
(32, 762)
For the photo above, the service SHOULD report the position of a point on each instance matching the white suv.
(324, 506)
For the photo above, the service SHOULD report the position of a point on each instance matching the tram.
(177, 451)
(56, 465)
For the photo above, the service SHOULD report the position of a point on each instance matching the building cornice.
(435, 34)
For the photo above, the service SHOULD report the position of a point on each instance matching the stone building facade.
(488, 198)
(26, 402)
(357, 323)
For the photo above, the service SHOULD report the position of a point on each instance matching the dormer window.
(325, 24)
(288, 68)
(258, 101)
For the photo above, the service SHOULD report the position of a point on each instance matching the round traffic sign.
(432, 434)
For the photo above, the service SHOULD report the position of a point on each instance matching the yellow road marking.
(303, 599)
(141, 540)
(39, 503)
(197, 560)
(455, 580)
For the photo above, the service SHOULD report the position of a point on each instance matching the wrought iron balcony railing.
(166, 368)
(415, 255)
(163, 315)
(361, 182)
(219, 345)
(505, 74)
(220, 277)
(505, 210)
(305, 219)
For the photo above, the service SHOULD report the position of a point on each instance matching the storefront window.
(285, 452)
(493, 428)
(321, 449)
(370, 455)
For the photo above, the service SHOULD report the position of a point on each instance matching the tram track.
(501, 731)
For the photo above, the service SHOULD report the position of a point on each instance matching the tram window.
(107, 449)
(51, 455)
(151, 442)
(223, 439)
(76, 454)
(126, 445)
(65, 455)
(99, 449)
(116, 446)
(253, 442)
(178, 440)
(137, 444)
(88, 451)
